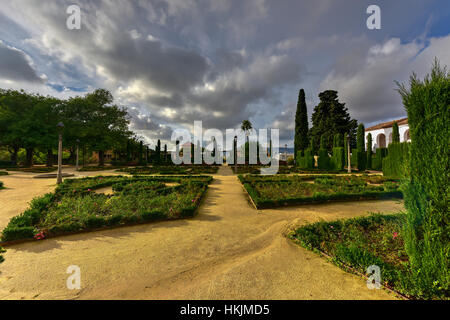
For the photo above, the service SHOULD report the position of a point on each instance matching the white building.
(382, 133)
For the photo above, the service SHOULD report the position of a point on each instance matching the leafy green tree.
(331, 117)
(301, 124)
(427, 233)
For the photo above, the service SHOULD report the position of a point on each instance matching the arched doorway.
(381, 140)
(406, 135)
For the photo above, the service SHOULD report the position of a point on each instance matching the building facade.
(382, 133)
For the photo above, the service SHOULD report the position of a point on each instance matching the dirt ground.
(229, 251)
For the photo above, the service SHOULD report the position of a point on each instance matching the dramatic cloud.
(172, 62)
(16, 65)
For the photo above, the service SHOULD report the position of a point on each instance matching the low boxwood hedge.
(316, 189)
(76, 207)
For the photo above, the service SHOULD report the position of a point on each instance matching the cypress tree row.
(301, 124)
(427, 233)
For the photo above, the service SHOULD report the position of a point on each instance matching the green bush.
(324, 161)
(306, 161)
(1, 185)
(380, 154)
(395, 165)
(427, 232)
(1, 257)
(3, 173)
(338, 158)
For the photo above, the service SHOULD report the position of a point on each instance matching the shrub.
(380, 154)
(427, 233)
(3, 173)
(395, 165)
(324, 162)
(1, 257)
(307, 161)
(369, 151)
(1, 185)
(338, 158)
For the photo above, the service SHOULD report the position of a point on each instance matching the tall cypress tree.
(369, 151)
(331, 117)
(158, 152)
(360, 145)
(301, 124)
(395, 133)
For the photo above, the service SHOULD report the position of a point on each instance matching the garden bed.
(256, 170)
(283, 190)
(76, 207)
(169, 170)
(355, 244)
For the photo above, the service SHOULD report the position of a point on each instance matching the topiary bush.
(427, 232)
(307, 160)
(396, 164)
(380, 154)
(338, 158)
(369, 151)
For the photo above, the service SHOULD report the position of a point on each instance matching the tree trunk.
(29, 157)
(101, 158)
(49, 157)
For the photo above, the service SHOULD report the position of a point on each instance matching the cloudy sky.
(222, 61)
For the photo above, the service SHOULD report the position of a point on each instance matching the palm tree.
(246, 126)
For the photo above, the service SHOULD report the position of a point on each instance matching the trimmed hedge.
(324, 161)
(389, 191)
(306, 161)
(395, 165)
(427, 238)
(338, 158)
(377, 163)
(51, 214)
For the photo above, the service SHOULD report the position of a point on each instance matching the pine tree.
(331, 117)
(301, 124)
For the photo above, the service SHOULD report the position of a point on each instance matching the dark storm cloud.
(14, 65)
(224, 61)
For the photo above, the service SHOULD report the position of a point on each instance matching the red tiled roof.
(388, 124)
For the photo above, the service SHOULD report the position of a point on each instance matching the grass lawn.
(187, 170)
(90, 203)
(282, 190)
(361, 242)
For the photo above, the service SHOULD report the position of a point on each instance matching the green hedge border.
(261, 203)
(23, 234)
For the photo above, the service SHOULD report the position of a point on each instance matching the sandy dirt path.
(229, 251)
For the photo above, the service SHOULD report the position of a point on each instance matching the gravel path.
(229, 251)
